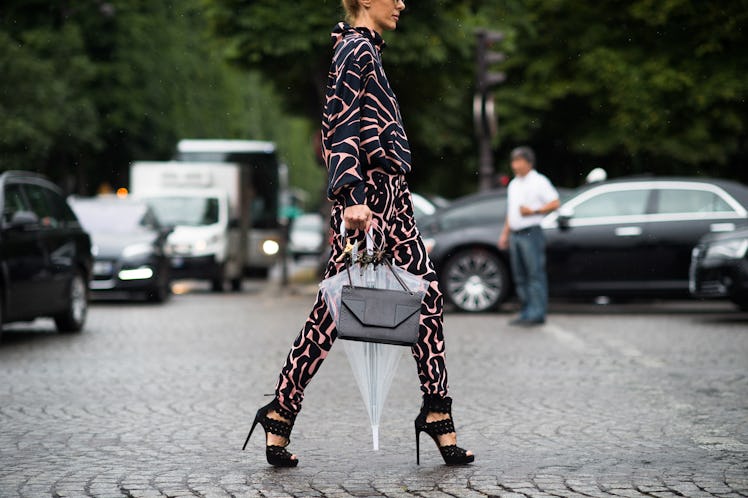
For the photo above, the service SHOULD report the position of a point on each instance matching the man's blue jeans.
(527, 256)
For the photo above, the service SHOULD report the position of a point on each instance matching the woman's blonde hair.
(351, 9)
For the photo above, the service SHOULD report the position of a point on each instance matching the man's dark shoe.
(533, 323)
(517, 322)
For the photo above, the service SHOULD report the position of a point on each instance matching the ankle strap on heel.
(277, 408)
(437, 404)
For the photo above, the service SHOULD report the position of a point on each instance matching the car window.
(41, 205)
(616, 203)
(13, 202)
(673, 201)
(60, 208)
(481, 212)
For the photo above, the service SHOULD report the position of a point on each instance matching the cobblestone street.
(623, 400)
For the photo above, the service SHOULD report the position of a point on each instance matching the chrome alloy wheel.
(475, 280)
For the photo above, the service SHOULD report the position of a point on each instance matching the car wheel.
(74, 317)
(742, 304)
(475, 280)
(2, 316)
(217, 285)
(159, 294)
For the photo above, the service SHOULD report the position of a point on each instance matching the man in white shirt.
(530, 197)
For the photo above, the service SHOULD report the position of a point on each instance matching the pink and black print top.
(362, 127)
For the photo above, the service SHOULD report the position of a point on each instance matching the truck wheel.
(74, 317)
(216, 285)
(236, 284)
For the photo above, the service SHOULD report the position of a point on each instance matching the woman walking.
(367, 156)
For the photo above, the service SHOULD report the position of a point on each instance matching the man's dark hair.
(525, 153)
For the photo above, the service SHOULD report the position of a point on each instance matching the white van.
(201, 201)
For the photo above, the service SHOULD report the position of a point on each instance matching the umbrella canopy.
(374, 367)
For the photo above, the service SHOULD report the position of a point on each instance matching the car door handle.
(722, 227)
(628, 231)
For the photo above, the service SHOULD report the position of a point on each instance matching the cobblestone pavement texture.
(634, 400)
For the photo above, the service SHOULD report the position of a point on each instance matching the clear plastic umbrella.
(373, 365)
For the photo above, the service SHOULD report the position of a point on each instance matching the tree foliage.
(636, 87)
(428, 61)
(642, 86)
(89, 86)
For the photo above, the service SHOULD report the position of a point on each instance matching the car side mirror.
(23, 220)
(565, 214)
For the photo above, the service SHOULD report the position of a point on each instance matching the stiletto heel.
(250, 433)
(452, 454)
(418, 447)
(277, 456)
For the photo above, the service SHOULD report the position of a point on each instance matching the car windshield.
(111, 217)
(185, 210)
(308, 223)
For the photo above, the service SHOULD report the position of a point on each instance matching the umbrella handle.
(369, 241)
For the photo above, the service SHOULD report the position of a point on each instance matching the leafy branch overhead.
(639, 86)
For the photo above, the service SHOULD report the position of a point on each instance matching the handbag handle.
(370, 251)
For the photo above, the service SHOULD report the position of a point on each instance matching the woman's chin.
(390, 25)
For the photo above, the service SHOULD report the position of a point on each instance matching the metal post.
(486, 170)
(484, 110)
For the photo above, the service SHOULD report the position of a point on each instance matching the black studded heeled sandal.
(277, 456)
(452, 454)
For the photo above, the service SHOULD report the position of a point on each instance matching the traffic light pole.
(486, 170)
(484, 110)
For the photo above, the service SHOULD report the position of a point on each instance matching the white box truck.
(203, 202)
(265, 182)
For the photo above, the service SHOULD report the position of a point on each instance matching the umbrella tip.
(375, 436)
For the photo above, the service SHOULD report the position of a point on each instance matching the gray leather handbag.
(383, 316)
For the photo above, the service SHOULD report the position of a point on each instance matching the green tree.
(636, 87)
(428, 61)
(44, 109)
(643, 86)
(90, 86)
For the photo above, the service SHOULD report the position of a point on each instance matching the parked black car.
(45, 256)
(128, 247)
(631, 237)
(719, 267)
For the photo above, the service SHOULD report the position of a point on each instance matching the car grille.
(103, 270)
(713, 288)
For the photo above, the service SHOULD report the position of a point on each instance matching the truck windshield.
(263, 176)
(185, 211)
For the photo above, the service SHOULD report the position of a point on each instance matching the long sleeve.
(344, 120)
(362, 128)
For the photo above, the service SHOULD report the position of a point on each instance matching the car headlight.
(202, 245)
(729, 249)
(136, 250)
(270, 247)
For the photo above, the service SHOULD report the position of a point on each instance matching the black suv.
(45, 256)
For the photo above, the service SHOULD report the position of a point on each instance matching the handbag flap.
(380, 307)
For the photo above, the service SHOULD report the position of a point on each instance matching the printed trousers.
(390, 201)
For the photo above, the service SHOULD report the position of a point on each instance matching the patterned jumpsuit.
(367, 155)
